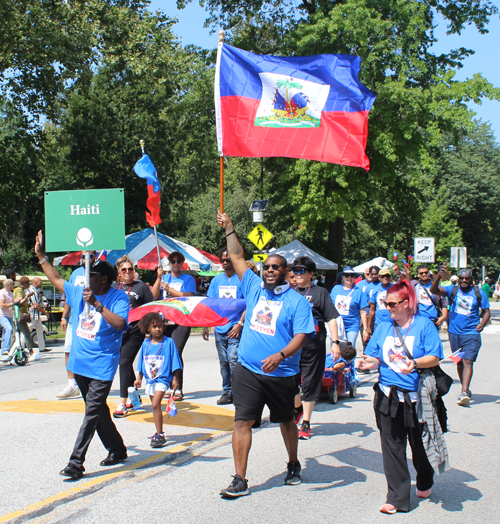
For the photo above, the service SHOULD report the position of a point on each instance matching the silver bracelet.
(45, 259)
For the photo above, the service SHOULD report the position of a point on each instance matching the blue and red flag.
(456, 356)
(144, 168)
(171, 408)
(312, 107)
(193, 311)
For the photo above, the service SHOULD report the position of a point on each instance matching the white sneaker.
(69, 392)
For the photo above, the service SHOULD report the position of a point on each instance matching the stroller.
(17, 352)
(335, 383)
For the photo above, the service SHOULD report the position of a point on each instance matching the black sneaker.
(158, 440)
(226, 398)
(293, 476)
(237, 488)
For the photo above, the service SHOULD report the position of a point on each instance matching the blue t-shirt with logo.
(421, 339)
(378, 296)
(225, 287)
(273, 318)
(95, 349)
(464, 312)
(157, 362)
(77, 278)
(349, 302)
(426, 308)
(183, 283)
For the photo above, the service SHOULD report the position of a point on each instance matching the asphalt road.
(342, 465)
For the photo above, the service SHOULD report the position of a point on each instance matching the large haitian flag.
(312, 107)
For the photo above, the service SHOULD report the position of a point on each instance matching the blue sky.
(191, 31)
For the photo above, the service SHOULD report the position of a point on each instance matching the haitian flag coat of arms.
(312, 107)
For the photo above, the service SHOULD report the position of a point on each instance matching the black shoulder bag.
(443, 380)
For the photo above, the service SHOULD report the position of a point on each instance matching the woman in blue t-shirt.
(175, 284)
(351, 302)
(396, 392)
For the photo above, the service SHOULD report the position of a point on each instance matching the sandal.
(389, 509)
(178, 395)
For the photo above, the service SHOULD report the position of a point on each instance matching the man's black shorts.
(251, 392)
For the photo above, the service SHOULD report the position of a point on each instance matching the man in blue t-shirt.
(77, 278)
(94, 356)
(227, 337)
(433, 307)
(277, 325)
(464, 324)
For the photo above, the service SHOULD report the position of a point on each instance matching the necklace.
(399, 343)
(158, 352)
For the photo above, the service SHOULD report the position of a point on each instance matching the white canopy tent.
(381, 262)
(298, 249)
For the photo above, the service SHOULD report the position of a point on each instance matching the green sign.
(84, 220)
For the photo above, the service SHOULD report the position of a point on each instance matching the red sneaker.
(305, 431)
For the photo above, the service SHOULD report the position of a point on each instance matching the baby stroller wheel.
(353, 392)
(20, 358)
(334, 396)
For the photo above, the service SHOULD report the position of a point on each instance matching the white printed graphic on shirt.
(381, 299)
(264, 316)
(154, 365)
(464, 304)
(423, 297)
(88, 327)
(394, 355)
(343, 303)
(174, 285)
(227, 291)
(79, 281)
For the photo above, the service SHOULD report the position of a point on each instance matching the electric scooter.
(17, 352)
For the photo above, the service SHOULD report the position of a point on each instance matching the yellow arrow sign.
(261, 257)
(260, 236)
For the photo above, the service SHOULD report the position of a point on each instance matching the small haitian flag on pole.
(312, 107)
(144, 168)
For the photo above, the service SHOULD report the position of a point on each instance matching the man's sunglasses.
(267, 267)
(301, 271)
(384, 276)
(225, 260)
(176, 261)
(423, 272)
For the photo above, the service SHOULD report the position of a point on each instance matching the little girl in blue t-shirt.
(159, 363)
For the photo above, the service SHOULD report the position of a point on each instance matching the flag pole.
(221, 203)
(142, 143)
(218, 120)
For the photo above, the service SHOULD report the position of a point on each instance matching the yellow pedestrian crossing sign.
(260, 257)
(260, 236)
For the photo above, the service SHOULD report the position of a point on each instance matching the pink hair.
(405, 291)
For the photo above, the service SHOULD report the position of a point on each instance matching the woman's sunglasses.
(299, 271)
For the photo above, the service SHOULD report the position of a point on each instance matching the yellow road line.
(72, 492)
(189, 414)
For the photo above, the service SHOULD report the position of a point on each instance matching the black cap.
(105, 268)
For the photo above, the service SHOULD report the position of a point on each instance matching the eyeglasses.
(423, 272)
(384, 276)
(91, 256)
(127, 269)
(464, 278)
(301, 271)
(394, 304)
(176, 261)
(348, 276)
(225, 260)
(374, 274)
(275, 267)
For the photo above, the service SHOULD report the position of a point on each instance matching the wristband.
(45, 259)
(283, 355)
(64, 318)
(336, 342)
(233, 231)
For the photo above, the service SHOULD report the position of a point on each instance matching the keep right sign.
(424, 250)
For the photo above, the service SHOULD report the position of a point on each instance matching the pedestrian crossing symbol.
(260, 236)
